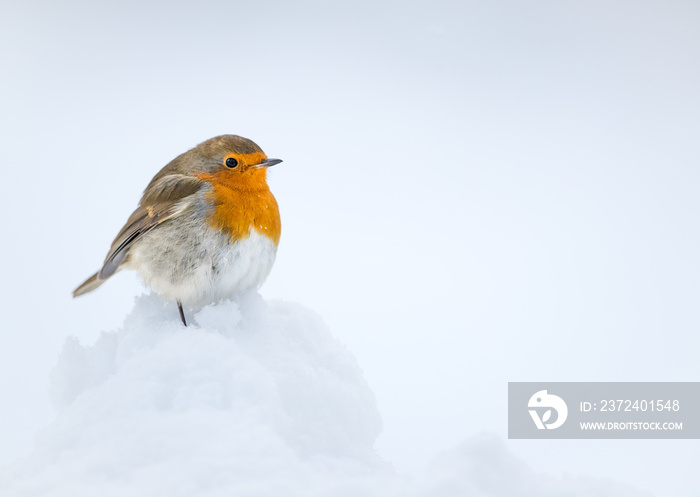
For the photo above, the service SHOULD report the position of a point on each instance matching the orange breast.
(243, 201)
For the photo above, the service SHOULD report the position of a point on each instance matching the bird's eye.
(231, 162)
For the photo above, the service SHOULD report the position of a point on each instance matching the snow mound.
(254, 398)
(250, 391)
(484, 467)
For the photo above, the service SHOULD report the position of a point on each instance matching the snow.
(253, 398)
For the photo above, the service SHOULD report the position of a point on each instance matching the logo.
(554, 403)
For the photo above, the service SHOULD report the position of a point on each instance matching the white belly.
(204, 267)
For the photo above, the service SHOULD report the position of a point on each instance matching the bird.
(206, 228)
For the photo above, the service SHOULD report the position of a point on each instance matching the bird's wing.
(140, 222)
(164, 199)
(169, 188)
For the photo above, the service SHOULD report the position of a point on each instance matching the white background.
(472, 193)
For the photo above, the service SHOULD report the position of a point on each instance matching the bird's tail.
(88, 285)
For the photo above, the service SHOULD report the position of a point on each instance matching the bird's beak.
(269, 162)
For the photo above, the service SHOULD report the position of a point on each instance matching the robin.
(206, 228)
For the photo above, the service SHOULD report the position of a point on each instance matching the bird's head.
(227, 159)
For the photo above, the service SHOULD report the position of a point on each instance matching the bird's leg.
(182, 313)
